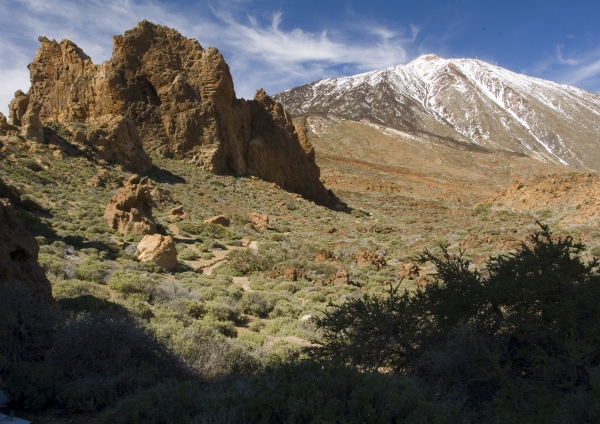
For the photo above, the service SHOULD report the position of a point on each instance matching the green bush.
(520, 337)
(33, 385)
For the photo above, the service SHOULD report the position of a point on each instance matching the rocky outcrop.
(164, 89)
(130, 210)
(178, 213)
(18, 256)
(158, 249)
(365, 258)
(407, 270)
(340, 277)
(258, 221)
(219, 220)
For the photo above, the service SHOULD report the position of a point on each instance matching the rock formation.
(219, 220)
(340, 277)
(178, 98)
(158, 249)
(258, 221)
(365, 257)
(18, 256)
(130, 210)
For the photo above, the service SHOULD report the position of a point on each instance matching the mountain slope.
(465, 102)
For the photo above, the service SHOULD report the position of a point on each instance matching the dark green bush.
(520, 337)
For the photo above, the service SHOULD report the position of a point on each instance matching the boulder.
(130, 210)
(340, 277)
(290, 273)
(408, 270)
(158, 249)
(18, 257)
(325, 256)
(258, 221)
(178, 213)
(365, 258)
(219, 220)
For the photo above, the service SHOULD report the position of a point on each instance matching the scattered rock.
(340, 277)
(158, 249)
(246, 242)
(19, 254)
(324, 256)
(178, 213)
(219, 220)
(290, 273)
(97, 180)
(330, 230)
(408, 270)
(258, 221)
(60, 155)
(130, 210)
(365, 258)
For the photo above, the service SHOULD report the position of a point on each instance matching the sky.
(278, 45)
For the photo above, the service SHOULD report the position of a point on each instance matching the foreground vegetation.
(508, 339)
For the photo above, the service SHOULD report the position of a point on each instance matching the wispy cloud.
(261, 52)
(579, 67)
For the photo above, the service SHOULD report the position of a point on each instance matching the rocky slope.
(467, 104)
(161, 91)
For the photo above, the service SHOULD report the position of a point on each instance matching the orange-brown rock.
(4, 125)
(408, 270)
(366, 257)
(18, 256)
(290, 273)
(178, 213)
(158, 249)
(258, 221)
(219, 220)
(340, 277)
(164, 89)
(130, 210)
(324, 256)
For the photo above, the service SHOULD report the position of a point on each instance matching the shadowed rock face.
(164, 92)
(18, 256)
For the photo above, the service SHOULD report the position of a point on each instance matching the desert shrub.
(106, 356)
(93, 268)
(130, 283)
(226, 309)
(27, 323)
(205, 229)
(33, 385)
(257, 304)
(187, 254)
(525, 333)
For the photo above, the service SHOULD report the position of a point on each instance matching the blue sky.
(281, 44)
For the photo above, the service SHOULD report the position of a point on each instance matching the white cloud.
(260, 53)
(580, 67)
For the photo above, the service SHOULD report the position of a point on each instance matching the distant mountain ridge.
(467, 102)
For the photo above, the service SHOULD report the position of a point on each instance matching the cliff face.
(164, 92)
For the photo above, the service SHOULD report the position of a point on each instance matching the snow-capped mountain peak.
(469, 101)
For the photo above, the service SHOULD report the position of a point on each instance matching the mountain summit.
(467, 103)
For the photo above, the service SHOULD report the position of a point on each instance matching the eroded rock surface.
(219, 220)
(130, 210)
(366, 257)
(19, 254)
(158, 249)
(258, 221)
(164, 92)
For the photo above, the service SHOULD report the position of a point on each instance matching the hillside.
(465, 102)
